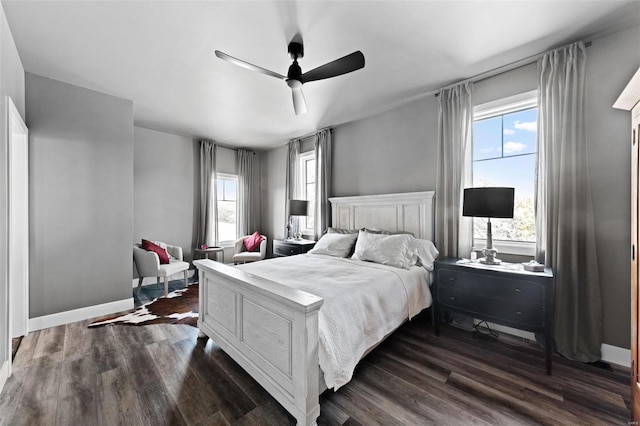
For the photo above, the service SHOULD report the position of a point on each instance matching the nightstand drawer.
(509, 313)
(286, 249)
(518, 290)
(290, 248)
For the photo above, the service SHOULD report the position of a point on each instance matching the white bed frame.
(271, 330)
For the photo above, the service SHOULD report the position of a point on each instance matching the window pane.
(220, 185)
(519, 173)
(227, 220)
(520, 130)
(487, 138)
(230, 187)
(311, 217)
(310, 171)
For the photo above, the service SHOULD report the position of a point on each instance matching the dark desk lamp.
(297, 208)
(488, 202)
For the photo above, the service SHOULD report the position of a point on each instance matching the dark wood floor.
(162, 375)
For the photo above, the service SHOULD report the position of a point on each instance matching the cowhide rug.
(180, 307)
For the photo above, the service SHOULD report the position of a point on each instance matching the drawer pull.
(452, 298)
(518, 290)
(518, 313)
(452, 278)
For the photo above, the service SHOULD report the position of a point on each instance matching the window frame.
(510, 104)
(302, 174)
(227, 176)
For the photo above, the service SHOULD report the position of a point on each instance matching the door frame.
(18, 292)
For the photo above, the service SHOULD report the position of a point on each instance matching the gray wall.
(396, 152)
(12, 85)
(81, 180)
(611, 62)
(165, 170)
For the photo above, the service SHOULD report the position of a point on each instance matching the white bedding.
(363, 302)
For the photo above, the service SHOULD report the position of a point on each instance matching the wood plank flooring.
(164, 375)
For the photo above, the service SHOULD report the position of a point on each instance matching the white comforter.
(363, 302)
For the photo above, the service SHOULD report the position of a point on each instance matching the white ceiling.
(160, 54)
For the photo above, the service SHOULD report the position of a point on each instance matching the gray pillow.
(342, 231)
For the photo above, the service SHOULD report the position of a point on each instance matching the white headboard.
(409, 212)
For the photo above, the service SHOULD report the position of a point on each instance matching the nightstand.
(511, 297)
(283, 248)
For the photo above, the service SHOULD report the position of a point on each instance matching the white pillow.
(394, 250)
(426, 252)
(338, 245)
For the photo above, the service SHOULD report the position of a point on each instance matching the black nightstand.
(513, 298)
(283, 248)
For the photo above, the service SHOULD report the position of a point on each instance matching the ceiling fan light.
(299, 104)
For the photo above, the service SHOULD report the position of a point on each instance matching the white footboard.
(271, 330)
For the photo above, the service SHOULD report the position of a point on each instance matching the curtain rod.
(505, 68)
(308, 135)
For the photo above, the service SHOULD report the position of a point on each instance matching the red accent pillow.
(252, 242)
(162, 253)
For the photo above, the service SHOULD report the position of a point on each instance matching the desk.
(205, 252)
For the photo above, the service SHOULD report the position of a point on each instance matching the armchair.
(243, 256)
(148, 264)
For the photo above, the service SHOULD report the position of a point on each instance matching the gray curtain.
(455, 126)
(564, 214)
(248, 220)
(323, 181)
(292, 183)
(207, 219)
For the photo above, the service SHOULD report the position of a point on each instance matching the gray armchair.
(244, 256)
(148, 264)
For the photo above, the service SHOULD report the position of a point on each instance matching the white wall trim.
(616, 355)
(5, 371)
(60, 318)
(611, 354)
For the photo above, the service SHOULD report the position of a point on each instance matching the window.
(308, 183)
(504, 154)
(227, 207)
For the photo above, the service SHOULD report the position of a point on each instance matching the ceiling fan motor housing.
(296, 50)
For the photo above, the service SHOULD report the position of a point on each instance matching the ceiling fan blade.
(247, 65)
(344, 65)
(299, 105)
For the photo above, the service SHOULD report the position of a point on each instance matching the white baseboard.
(153, 280)
(609, 353)
(5, 371)
(60, 318)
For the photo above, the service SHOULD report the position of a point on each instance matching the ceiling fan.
(295, 78)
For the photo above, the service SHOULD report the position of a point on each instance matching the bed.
(268, 317)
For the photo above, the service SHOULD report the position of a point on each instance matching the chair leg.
(186, 278)
(166, 286)
(139, 285)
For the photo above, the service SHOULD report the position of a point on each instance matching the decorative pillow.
(161, 252)
(393, 250)
(335, 244)
(342, 231)
(426, 253)
(252, 242)
(383, 232)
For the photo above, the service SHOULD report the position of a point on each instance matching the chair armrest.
(239, 245)
(175, 251)
(263, 247)
(147, 262)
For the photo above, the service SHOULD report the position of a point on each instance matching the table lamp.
(297, 208)
(488, 202)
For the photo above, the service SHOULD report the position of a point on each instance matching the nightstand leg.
(434, 319)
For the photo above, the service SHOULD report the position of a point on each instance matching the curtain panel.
(292, 185)
(323, 182)
(207, 218)
(455, 126)
(248, 220)
(564, 213)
